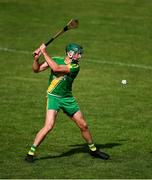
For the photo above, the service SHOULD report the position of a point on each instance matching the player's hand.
(37, 52)
(43, 48)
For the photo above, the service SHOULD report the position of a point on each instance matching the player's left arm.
(53, 65)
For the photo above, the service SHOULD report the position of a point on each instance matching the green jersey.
(60, 84)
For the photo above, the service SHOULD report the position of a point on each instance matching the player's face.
(76, 56)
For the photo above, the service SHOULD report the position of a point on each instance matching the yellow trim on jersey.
(54, 83)
(73, 65)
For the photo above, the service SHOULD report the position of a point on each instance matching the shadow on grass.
(79, 148)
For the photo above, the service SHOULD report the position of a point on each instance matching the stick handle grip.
(56, 35)
(47, 43)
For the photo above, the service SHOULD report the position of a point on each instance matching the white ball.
(124, 81)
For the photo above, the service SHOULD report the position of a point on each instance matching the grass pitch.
(116, 35)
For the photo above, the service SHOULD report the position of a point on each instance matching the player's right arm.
(38, 67)
(52, 64)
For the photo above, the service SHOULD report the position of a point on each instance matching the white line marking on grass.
(93, 60)
(121, 64)
(15, 51)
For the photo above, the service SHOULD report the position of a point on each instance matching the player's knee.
(48, 128)
(84, 126)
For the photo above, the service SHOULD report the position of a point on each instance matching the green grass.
(116, 35)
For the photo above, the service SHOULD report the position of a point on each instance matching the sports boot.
(98, 154)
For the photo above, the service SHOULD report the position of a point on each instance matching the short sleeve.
(74, 68)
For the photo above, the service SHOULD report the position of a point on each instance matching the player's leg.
(48, 126)
(81, 123)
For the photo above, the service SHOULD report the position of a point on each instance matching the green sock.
(92, 147)
(32, 150)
